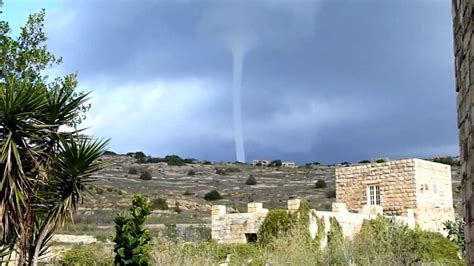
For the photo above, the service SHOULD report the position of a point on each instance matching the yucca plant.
(44, 169)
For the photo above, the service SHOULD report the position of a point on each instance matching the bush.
(212, 195)
(109, 153)
(381, 161)
(382, 240)
(207, 163)
(133, 171)
(191, 172)
(132, 240)
(331, 194)
(275, 224)
(190, 160)
(320, 184)
(251, 181)
(99, 191)
(345, 163)
(365, 161)
(86, 254)
(159, 204)
(146, 175)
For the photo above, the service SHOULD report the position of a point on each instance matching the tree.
(44, 170)
(132, 240)
(276, 163)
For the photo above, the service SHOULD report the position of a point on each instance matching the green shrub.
(133, 171)
(381, 161)
(159, 204)
(191, 172)
(330, 194)
(365, 161)
(146, 175)
(345, 163)
(190, 160)
(99, 191)
(456, 234)
(275, 224)
(86, 254)
(188, 193)
(132, 240)
(212, 195)
(207, 163)
(382, 240)
(251, 181)
(320, 184)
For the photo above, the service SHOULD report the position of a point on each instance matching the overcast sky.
(326, 81)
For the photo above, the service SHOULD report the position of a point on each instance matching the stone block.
(294, 205)
(254, 207)
(218, 210)
(339, 207)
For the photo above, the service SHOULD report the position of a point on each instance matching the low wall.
(231, 228)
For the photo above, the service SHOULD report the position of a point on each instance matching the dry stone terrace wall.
(463, 27)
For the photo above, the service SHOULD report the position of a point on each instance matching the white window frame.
(373, 195)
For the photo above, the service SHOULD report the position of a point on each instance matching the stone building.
(260, 162)
(463, 28)
(288, 164)
(398, 186)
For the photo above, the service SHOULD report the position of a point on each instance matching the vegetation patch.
(212, 195)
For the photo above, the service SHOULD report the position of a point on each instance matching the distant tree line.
(174, 160)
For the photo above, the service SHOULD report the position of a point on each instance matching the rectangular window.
(374, 195)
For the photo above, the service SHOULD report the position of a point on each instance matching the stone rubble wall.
(463, 27)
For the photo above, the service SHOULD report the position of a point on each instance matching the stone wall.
(416, 184)
(231, 228)
(463, 27)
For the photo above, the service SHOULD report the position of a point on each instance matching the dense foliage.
(132, 240)
(380, 239)
(44, 170)
(145, 175)
(456, 234)
(275, 163)
(251, 181)
(320, 184)
(212, 195)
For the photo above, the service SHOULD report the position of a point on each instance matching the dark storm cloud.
(360, 79)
